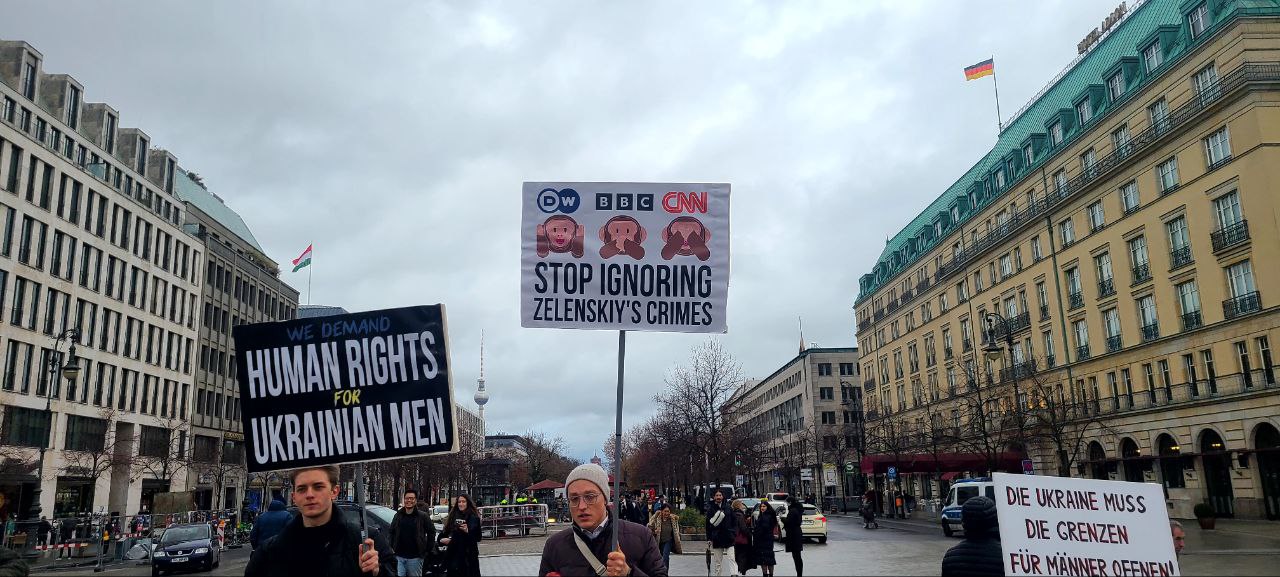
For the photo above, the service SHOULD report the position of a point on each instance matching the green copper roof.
(1085, 78)
(188, 191)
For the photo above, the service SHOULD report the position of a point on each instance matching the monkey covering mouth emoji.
(622, 235)
(685, 236)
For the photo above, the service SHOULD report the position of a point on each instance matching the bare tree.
(91, 455)
(693, 400)
(219, 461)
(1062, 420)
(162, 451)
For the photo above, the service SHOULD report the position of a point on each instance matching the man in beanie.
(979, 553)
(586, 548)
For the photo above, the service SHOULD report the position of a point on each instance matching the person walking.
(764, 530)
(461, 534)
(720, 530)
(413, 536)
(979, 554)
(1179, 536)
(269, 524)
(666, 529)
(320, 539)
(586, 548)
(741, 538)
(794, 538)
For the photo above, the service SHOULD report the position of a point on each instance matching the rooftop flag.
(303, 260)
(985, 68)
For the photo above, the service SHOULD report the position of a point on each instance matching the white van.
(961, 491)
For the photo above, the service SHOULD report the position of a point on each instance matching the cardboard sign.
(346, 388)
(1065, 526)
(628, 256)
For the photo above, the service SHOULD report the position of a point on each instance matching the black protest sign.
(346, 388)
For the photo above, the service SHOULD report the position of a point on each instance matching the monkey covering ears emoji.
(685, 236)
(560, 234)
(622, 235)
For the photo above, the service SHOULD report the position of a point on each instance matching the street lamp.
(992, 352)
(69, 371)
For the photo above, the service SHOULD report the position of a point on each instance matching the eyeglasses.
(588, 498)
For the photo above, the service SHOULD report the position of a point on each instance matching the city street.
(897, 548)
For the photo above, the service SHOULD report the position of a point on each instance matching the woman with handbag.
(742, 538)
(763, 532)
(666, 529)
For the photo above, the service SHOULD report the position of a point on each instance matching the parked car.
(186, 546)
(814, 524)
(438, 514)
(961, 491)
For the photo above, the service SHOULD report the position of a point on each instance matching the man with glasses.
(586, 547)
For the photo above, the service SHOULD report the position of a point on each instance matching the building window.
(1240, 279)
(1152, 56)
(1189, 303)
(1036, 252)
(1081, 331)
(1111, 322)
(1028, 154)
(1115, 86)
(1060, 182)
(1226, 209)
(1158, 113)
(1206, 81)
(1138, 255)
(826, 393)
(1096, 218)
(154, 441)
(1006, 266)
(824, 369)
(85, 434)
(1084, 111)
(1217, 147)
(1088, 162)
(1167, 175)
(1129, 196)
(1198, 20)
(1073, 285)
(1000, 179)
(25, 427)
(1179, 242)
(1067, 232)
(29, 80)
(1120, 140)
(1102, 266)
(1147, 318)
(110, 135)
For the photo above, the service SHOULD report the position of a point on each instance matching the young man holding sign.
(320, 540)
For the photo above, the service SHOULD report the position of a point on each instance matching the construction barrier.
(513, 520)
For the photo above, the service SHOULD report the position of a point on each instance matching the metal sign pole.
(360, 498)
(617, 439)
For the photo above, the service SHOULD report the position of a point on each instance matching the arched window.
(1170, 462)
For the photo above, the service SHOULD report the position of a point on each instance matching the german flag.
(985, 68)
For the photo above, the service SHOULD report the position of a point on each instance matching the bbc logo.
(624, 201)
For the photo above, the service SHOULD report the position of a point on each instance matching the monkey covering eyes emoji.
(560, 234)
(685, 236)
(622, 235)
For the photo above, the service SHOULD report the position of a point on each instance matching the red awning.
(949, 475)
(546, 484)
(879, 464)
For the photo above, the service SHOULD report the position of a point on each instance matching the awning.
(949, 475)
(880, 463)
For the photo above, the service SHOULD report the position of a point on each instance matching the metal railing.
(1229, 236)
(1114, 343)
(1180, 257)
(1141, 273)
(1242, 305)
(1191, 320)
(1082, 353)
(1075, 300)
(1106, 287)
(1044, 312)
(1150, 332)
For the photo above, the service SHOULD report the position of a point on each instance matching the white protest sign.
(625, 255)
(1064, 526)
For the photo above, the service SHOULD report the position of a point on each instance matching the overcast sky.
(396, 135)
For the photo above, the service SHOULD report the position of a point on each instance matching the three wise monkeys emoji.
(622, 235)
(560, 234)
(685, 236)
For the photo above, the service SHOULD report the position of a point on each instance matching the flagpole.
(996, 86)
(311, 267)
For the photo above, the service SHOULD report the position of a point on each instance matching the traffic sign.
(893, 473)
(1027, 467)
(848, 467)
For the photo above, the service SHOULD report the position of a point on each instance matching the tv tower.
(482, 396)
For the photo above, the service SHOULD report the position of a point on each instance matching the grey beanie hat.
(590, 472)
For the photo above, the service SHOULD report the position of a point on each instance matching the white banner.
(1064, 526)
(625, 255)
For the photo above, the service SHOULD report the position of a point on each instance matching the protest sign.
(346, 388)
(1065, 526)
(626, 256)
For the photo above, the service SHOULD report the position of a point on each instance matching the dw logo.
(551, 200)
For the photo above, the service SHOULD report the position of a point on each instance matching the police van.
(961, 491)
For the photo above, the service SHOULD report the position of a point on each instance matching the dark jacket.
(426, 532)
(284, 553)
(634, 512)
(269, 524)
(762, 538)
(721, 536)
(561, 554)
(462, 557)
(11, 565)
(795, 534)
(979, 553)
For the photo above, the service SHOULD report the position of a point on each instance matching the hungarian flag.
(985, 68)
(303, 260)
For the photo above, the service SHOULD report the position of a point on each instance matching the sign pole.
(617, 438)
(360, 498)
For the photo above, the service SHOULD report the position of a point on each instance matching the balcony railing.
(946, 352)
(1141, 273)
(1017, 324)
(1082, 353)
(1023, 370)
(1106, 288)
(876, 316)
(1050, 362)
(1115, 343)
(1044, 312)
(1150, 332)
(864, 324)
(1075, 300)
(1241, 305)
(1191, 320)
(1229, 236)
(1180, 257)
(907, 295)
